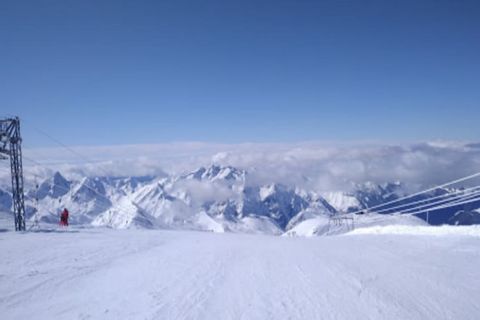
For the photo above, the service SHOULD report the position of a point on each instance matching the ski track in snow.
(155, 274)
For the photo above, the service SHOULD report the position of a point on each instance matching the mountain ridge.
(210, 198)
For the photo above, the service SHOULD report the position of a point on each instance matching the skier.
(64, 217)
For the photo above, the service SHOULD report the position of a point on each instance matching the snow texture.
(157, 274)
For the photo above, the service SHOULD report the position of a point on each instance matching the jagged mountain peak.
(5, 200)
(216, 172)
(95, 183)
(58, 178)
(90, 188)
(153, 191)
(54, 187)
(272, 190)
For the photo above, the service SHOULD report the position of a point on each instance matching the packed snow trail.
(152, 274)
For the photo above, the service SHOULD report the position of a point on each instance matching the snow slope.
(417, 230)
(155, 274)
(321, 224)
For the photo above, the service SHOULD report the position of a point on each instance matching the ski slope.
(155, 274)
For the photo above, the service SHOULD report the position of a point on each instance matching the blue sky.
(128, 72)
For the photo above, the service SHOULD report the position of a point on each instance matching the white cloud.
(202, 192)
(317, 165)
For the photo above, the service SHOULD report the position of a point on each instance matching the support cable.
(446, 195)
(450, 205)
(439, 202)
(475, 175)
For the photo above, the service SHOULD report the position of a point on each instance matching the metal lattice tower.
(11, 146)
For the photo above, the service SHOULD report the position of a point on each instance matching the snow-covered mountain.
(5, 200)
(216, 198)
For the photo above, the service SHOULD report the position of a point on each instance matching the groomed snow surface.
(371, 273)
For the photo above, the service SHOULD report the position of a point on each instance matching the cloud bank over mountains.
(318, 166)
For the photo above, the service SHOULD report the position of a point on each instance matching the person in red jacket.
(64, 217)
